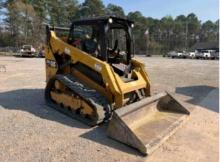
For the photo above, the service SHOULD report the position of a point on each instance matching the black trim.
(90, 73)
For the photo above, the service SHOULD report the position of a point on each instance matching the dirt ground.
(31, 131)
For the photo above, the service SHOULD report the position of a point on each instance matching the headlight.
(132, 25)
(110, 20)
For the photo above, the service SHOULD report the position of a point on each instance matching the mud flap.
(146, 124)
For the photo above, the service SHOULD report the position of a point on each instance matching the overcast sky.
(204, 9)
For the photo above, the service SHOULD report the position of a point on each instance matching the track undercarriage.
(71, 97)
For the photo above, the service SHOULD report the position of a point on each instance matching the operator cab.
(106, 38)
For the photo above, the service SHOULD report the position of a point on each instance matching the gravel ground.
(31, 131)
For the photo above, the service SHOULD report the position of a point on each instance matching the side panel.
(50, 63)
(77, 55)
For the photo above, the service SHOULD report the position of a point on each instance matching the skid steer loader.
(92, 76)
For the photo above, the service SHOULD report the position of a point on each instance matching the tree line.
(22, 23)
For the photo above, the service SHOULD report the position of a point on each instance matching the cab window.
(85, 37)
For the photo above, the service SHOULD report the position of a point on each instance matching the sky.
(204, 9)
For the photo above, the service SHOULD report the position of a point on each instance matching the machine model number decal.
(51, 63)
(98, 67)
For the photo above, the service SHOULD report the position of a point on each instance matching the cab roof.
(104, 20)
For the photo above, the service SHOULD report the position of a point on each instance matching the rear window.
(26, 47)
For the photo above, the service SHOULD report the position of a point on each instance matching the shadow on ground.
(99, 135)
(202, 95)
(32, 101)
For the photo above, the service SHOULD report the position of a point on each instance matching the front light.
(132, 25)
(110, 20)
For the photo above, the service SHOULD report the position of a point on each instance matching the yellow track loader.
(93, 77)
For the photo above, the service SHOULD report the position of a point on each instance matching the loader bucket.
(145, 124)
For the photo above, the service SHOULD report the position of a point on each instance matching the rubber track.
(99, 103)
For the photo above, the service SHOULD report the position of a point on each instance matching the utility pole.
(186, 36)
(26, 23)
(147, 41)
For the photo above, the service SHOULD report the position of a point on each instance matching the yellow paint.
(115, 88)
(72, 102)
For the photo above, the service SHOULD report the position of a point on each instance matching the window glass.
(119, 36)
(82, 32)
(85, 37)
(26, 46)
